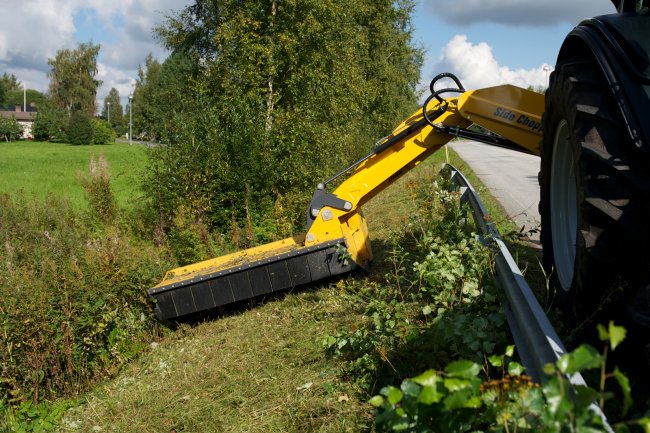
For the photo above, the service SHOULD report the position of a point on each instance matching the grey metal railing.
(535, 339)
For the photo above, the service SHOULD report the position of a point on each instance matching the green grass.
(41, 168)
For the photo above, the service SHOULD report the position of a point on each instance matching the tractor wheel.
(594, 192)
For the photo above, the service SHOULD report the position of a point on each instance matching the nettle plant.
(468, 397)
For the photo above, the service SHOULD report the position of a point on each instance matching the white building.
(24, 118)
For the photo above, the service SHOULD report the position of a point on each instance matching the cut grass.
(41, 168)
(262, 369)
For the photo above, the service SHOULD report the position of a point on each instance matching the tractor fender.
(620, 45)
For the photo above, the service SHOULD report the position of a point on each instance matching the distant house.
(24, 118)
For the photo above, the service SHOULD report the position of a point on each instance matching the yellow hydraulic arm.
(334, 221)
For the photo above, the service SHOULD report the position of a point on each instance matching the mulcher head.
(247, 274)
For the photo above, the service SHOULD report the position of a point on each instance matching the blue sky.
(485, 42)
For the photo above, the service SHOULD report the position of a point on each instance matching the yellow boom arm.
(334, 220)
(509, 111)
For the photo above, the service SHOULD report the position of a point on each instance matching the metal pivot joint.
(322, 198)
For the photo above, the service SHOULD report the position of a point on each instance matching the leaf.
(510, 350)
(466, 369)
(613, 334)
(616, 335)
(585, 396)
(454, 384)
(496, 360)
(376, 401)
(394, 395)
(428, 378)
(515, 368)
(462, 399)
(427, 310)
(624, 384)
(603, 335)
(583, 358)
(410, 388)
(430, 394)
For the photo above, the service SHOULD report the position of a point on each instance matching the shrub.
(73, 304)
(72, 299)
(50, 123)
(80, 130)
(102, 132)
(9, 128)
(440, 304)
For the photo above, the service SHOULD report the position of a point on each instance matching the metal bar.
(535, 339)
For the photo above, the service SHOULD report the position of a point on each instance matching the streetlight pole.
(546, 68)
(108, 111)
(131, 119)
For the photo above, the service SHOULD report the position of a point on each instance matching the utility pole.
(546, 68)
(131, 119)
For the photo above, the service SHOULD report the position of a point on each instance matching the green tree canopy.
(113, 104)
(8, 82)
(17, 97)
(72, 78)
(284, 94)
(144, 108)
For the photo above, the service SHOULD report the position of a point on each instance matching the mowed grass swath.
(42, 168)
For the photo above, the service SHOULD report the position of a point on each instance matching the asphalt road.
(511, 177)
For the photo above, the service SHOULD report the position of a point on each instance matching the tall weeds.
(73, 305)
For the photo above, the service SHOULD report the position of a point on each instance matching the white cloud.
(518, 12)
(33, 31)
(476, 67)
(122, 81)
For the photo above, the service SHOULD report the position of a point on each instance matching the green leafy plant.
(441, 303)
(72, 304)
(33, 417)
(464, 397)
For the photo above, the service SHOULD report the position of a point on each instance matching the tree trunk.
(250, 234)
(268, 124)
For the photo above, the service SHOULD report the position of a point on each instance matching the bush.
(80, 129)
(50, 123)
(441, 302)
(73, 304)
(9, 128)
(102, 132)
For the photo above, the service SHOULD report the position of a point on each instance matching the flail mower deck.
(247, 274)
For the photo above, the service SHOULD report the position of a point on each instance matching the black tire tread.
(613, 185)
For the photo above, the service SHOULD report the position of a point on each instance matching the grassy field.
(41, 168)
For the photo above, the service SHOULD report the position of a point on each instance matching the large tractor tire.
(594, 194)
